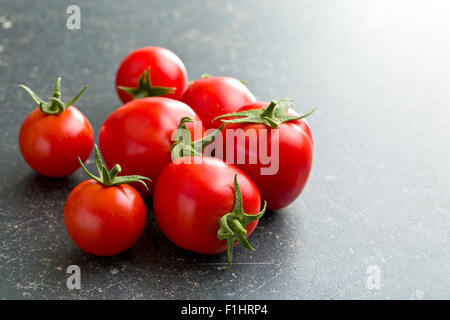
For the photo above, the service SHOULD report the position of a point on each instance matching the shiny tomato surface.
(166, 70)
(138, 136)
(52, 143)
(211, 97)
(190, 199)
(102, 220)
(282, 184)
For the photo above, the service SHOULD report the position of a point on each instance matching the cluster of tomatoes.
(160, 144)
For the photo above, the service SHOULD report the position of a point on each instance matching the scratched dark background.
(378, 195)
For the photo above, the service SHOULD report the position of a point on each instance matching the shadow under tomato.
(157, 249)
(154, 253)
(156, 266)
(34, 183)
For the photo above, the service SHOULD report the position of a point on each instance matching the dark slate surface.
(379, 190)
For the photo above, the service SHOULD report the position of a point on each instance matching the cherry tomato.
(190, 199)
(151, 71)
(104, 221)
(54, 135)
(211, 97)
(282, 178)
(104, 216)
(138, 135)
(198, 207)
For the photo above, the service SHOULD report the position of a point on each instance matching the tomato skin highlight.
(190, 199)
(296, 146)
(166, 69)
(104, 221)
(51, 144)
(214, 96)
(138, 136)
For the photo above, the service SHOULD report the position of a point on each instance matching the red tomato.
(102, 220)
(138, 136)
(51, 142)
(104, 216)
(191, 198)
(211, 97)
(294, 161)
(167, 75)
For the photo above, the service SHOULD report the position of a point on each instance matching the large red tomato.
(199, 208)
(104, 216)
(54, 135)
(281, 176)
(149, 72)
(138, 136)
(211, 97)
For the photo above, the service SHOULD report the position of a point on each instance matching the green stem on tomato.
(184, 146)
(110, 178)
(232, 225)
(272, 116)
(145, 88)
(55, 105)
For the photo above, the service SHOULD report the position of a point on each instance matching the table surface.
(377, 201)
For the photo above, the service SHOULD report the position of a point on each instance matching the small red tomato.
(54, 135)
(282, 149)
(138, 135)
(211, 97)
(198, 207)
(151, 72)
(104, 216)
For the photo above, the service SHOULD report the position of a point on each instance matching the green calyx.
(145, 88)
(110, 178)
(232, 225)
(184, 146)
(272, 116)
(55, 105)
